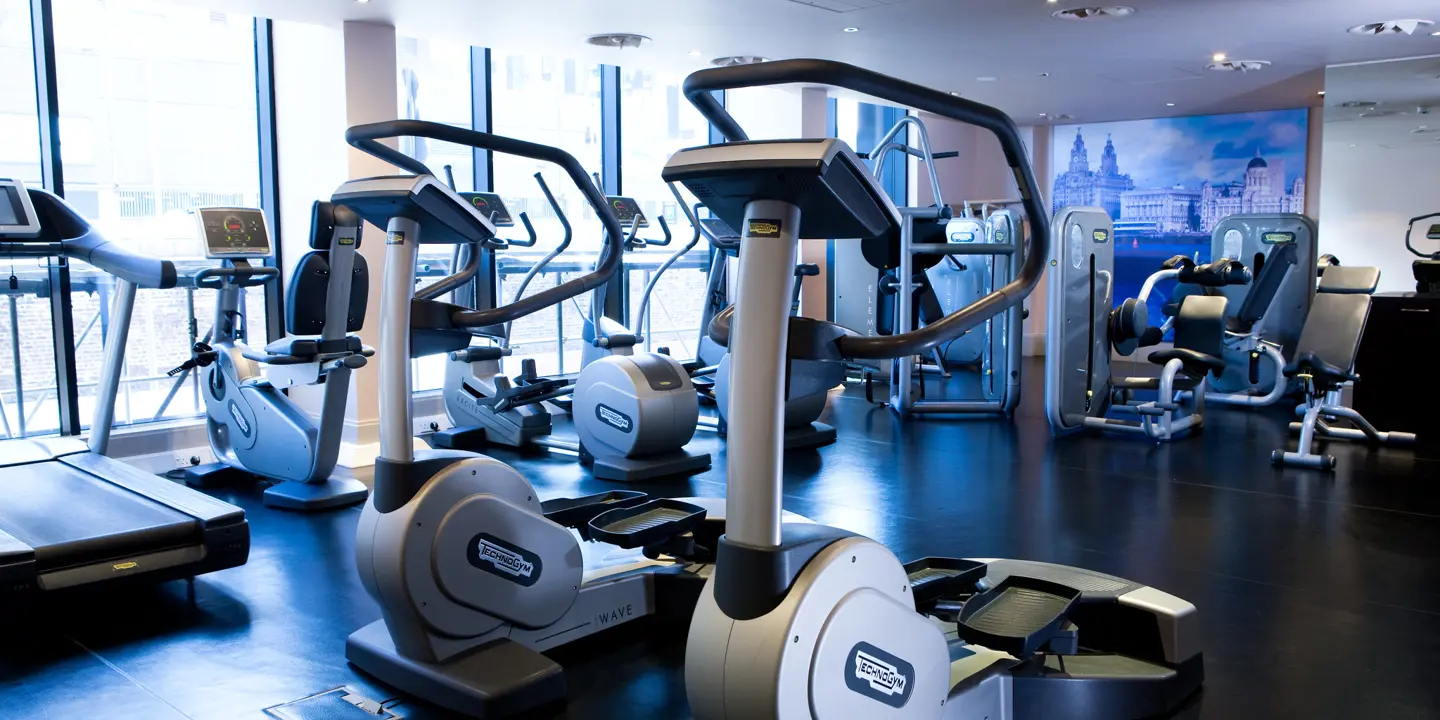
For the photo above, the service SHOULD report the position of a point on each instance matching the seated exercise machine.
(808, 621)
(1427, 268)
(69, 515)
(1263, 320)
(1085, 325)
(475, 576)
(633, 412)
(807, 382)
(256, 431)
(1325, 363)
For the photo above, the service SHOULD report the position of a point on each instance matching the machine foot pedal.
(646, 524)
(578, 512)
(1019, 616)
(934, 578)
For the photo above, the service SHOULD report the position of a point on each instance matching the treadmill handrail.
(366, 138)
(700, 84)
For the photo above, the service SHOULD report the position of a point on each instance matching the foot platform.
(646, 524)
(935, 578)
(577, 513)
(1019, 616)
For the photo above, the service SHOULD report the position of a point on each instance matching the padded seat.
(1199, 336)
(1331, 336)
(1323, 373)
(301, 348)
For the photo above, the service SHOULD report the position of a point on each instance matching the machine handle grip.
(529, 230)
(212, 278)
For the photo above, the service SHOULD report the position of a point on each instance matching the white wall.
(1369, 193)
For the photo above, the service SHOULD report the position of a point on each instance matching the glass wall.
(27, 383)
(766, 113)
(159, 117)
(555, 101)
(434, 85)
(656, 121)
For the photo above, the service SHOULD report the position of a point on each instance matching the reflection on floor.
(1320, 593)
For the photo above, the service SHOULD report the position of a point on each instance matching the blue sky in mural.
(1164, 152)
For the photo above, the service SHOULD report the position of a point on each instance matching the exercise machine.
(256, 431)
(1427, 267)
(475, 576)
(69, 515)
(633, 412)
(939, 272)
(1085, 325)
(1263, 320)
(807, 382)
(808, 621)
(1325, 364)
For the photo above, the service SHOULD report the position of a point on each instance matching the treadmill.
(69, 515)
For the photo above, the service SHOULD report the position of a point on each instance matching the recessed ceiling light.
(1169, 104)
(362, 2)
(1044, 74)
(618, 40)
(955, 93)
(1391, 27)
(1321, 93)
(1435, 34)
(852, 29)
(694, 53)
(1108, 12)
(1240, 66)
(986, 78)
(1218, 57)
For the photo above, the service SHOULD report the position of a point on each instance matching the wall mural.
(1167, 182)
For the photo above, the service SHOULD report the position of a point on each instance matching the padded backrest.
(1349, 280)
(310, 288)
(1200, 326)
(1267, 285)
(1333, 329)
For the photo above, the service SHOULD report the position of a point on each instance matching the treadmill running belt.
(71, 517)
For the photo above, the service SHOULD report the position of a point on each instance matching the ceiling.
(1094, 70)
(1406, 104)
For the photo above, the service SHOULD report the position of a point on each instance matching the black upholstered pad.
(1332, 332)
(1264, 289)
(1349, 280)
(1196, 363)
(310, 288)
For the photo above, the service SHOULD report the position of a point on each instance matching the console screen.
(491, 207)
(626, 209)
(234, 233)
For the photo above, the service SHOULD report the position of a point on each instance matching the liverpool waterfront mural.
(1168, 182)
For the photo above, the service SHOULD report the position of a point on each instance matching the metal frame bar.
(481, 101)
(617, 294)
(269, 170)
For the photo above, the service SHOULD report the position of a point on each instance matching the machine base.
(809, 436)
(458, 438)
(499, 679)
(336, 492)
(680, 463)
(325, 495)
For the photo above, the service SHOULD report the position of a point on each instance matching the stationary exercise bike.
(255, 430)
(475, 576)
(808, 621)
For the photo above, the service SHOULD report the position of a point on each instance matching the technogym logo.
(240, 421)
(614, 418)
(504, 560)
(878, 675)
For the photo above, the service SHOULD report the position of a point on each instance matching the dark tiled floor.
(1320, 594)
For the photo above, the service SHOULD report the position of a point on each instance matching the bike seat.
(296, 349)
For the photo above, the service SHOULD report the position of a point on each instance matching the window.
(434, 85)
(159, 118)
(766, 113)
(28, 402)
(556, 102)
(656, 121)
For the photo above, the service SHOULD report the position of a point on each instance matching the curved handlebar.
(538, 267)
(214, 278)
(529, 230)
(674, 257)
(367, 138)
(1410, 228)
(698, 87)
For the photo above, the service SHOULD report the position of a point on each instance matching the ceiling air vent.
(1378, 113)
(1240, 66)
(1358, 104)
(617, 40)
(1108, 12)
(1391, 27)
(733, 60)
